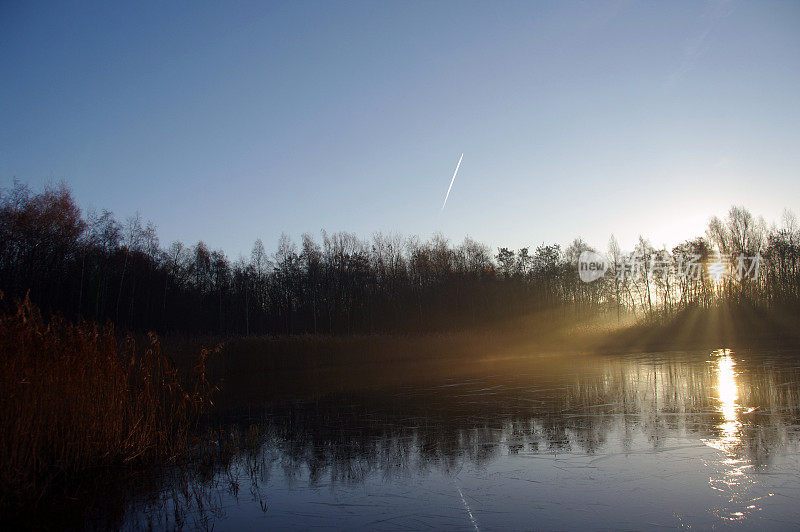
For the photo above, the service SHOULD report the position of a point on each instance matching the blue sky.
(232, 121)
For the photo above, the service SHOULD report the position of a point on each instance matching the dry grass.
(75, 399)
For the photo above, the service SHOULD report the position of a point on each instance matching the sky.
(228, 121)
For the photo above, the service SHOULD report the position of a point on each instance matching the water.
(667, 440)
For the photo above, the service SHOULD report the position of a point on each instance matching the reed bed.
(77, 399)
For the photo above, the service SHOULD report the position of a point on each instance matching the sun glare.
(716, 272)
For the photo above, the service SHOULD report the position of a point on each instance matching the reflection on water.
(635, 441)
(728, 395)
(732, 480)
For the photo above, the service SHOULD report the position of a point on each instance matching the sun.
(717, 271)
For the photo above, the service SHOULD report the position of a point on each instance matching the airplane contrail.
(452, 181)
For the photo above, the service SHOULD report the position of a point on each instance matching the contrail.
(452, 181)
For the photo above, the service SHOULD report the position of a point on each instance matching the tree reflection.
(742, 406)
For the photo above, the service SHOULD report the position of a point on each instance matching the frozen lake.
(661, 440)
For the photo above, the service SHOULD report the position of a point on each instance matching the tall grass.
(75, 397)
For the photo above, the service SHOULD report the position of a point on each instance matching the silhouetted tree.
(101, 269)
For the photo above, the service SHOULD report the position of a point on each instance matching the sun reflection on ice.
(728, 392)
(733, 480)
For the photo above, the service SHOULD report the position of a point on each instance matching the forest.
(93, 266)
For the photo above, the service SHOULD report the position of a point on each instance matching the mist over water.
(677, 439)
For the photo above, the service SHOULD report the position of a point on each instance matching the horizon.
(227, 125)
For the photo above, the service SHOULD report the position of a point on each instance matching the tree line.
(94, 266)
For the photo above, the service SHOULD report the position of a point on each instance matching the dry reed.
(75, 397)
